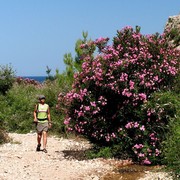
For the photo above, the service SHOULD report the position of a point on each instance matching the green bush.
(17, 106)
(96, 152)
(3, 110)
(6, 78)
(161, 108)
(172, 145)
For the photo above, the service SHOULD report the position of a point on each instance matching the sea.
(40, 79)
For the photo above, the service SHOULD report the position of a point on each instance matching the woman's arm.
(35, 114)
(49, 117)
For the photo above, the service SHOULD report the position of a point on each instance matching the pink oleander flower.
(93, 104)
(141, 155)
(120, 129)
(147, 161)
(126, 93)
(113, 135)
(69, 129)
(156, 78)
(107, 138)
(87, 108)
(136, 124)
(138, 146)
(123, 77)
(95, 112)
(131, 83)
(129, 125)
(142, 128)
(66, 121)
(157, 152)
(142, 96)
(80, 113)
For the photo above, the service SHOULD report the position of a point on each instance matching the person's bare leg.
(44, 139)
(39, 136)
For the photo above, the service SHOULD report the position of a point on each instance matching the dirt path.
(20, 161)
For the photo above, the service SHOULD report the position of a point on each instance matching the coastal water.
(36, 78)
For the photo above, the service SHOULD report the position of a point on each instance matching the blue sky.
(37, 33)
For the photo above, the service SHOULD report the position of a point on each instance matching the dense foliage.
(171, 145)
(6, 78)
(110, 100)
(17, 106)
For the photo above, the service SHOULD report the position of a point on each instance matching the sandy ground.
(20, 161)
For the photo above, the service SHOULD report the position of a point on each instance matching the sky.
(35, 34)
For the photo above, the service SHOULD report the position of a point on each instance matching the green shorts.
(42, 127)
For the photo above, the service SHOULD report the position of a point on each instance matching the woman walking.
(42, 119)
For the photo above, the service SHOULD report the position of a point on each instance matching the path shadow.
(79, 155)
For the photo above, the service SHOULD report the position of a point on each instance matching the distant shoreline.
(36, 78)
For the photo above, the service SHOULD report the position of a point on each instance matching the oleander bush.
(113, 101)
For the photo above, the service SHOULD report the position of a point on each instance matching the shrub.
(19, 108)
(3, 134)
(172, 143)
(6, 78)
(158, 111)
(96, 152)
(107, 103)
